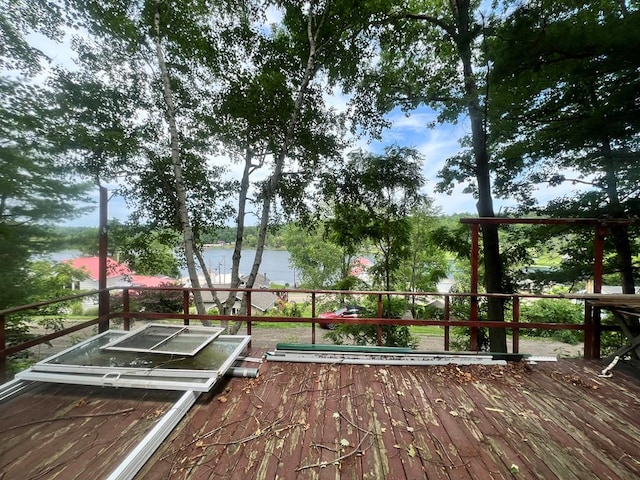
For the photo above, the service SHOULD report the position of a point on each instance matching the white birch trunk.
(181, 191)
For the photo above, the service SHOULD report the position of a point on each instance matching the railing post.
(588, 331)
(380, 312)
(3, 345)
(313, 315)
(248, 308)
(103, 295)
(475, 228)
(447, 317)
(598, 253)
(516, 319)
(185, 306)
(126, 309)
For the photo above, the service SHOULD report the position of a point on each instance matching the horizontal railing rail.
(124, 312)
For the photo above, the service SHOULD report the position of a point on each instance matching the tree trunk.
(492, 263)
(271, 188)
(181, 191)
(619, 233)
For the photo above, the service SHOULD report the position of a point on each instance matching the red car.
(349, 311)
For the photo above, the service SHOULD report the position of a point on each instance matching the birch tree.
(276, 117)
(164, 60)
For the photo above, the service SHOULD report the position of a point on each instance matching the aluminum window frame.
(210, 334)
(200, 380)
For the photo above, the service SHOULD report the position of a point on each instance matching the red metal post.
(588, 331)
(475, 228)
(598, 260)
(248, 308)
(516, 319)
(103, 295)
(447, 317)
(3, 345)
(313, 315)
(185, 306)
(380, 312)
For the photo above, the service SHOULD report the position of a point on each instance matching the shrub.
(160, 301)
(462, 339)
(551, 310)
(392, 335)
(77, 309)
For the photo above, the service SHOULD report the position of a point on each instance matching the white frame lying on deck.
(166, 339)
(200, 378)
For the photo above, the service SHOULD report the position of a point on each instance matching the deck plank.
(75, 432)
(551, 420)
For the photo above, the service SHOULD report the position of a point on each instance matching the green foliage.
(553, 311)
(563, 117)
(159, 301)
(392, 335)
(373, 197)
(40, 281)
(145, 251)
(290, 309)
(462, 339)
(318, 263)
(427, 263)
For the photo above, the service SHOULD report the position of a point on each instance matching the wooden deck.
(71, 432)
(551, 420)
(299, 421)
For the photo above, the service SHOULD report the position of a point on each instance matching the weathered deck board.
(320, 421)
(546, 421)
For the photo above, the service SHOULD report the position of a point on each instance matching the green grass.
(281, 325)
(428, 330)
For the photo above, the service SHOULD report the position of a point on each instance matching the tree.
(427, 263)
(570, 114)
(431, 55)
(273, 118)
(276, 116)
(149, 66)
(318, 263)
(38, 186)
(373, 196)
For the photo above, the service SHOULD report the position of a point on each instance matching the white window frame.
(178, 330)
(200, 380)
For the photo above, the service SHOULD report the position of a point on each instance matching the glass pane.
(90, 353)
(183, 342)
(89, 364)
(166, 339)
(148, 337)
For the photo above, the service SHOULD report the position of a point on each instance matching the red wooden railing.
(591, 328)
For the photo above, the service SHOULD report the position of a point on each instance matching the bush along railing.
(145, 303)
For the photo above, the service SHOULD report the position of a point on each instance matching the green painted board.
(310, 347)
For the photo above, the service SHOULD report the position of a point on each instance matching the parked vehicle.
(348, 311)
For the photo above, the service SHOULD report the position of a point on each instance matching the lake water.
(274, 265)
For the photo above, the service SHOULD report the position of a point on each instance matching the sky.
(436, 145)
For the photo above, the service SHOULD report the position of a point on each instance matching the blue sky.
(436, 144)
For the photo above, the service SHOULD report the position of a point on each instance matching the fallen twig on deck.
(355, 451)
(70, 417)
